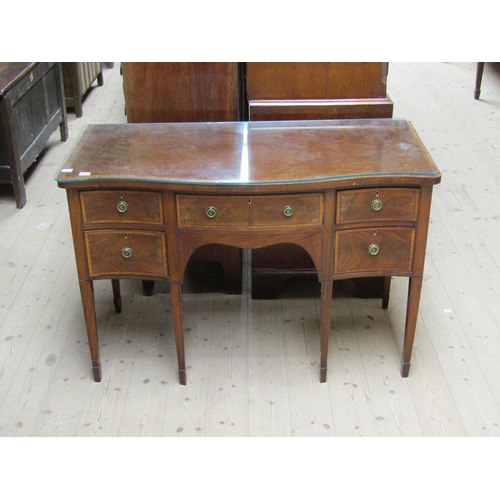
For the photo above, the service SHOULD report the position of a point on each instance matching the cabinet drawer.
(375, 249)
(250, 211)
(384, 204)
(122, 206)
(141, 253)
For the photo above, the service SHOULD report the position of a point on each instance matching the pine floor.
(253, 365)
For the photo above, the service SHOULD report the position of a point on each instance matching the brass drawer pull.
(211, 212)
(288, 210)
(377, 205)
(373, 249)
(122, 206)
(127, 252)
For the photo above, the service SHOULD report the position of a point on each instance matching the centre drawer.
(104, 206)
(262, 211)
(374, 249)
(377, 204)
(134, 253)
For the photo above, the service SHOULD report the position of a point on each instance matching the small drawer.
(122, 206)
(383, 205)
(375, 249)
(134, 253)
(260, 211)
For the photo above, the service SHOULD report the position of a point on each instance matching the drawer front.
(375, 249)
(122, 206)
(141, 253)
(300, 210)
(384, 204)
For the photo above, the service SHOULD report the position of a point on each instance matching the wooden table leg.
(479, 77)
(325, 325)
(386, 292)
(414, 289)
(117, 297)
(88, 301)
(176, 300)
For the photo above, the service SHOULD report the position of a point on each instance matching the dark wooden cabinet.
(31, 109)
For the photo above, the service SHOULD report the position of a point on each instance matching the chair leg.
(479, 77)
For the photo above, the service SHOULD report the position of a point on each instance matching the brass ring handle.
(373, 249)
(127, 252)
(376, 205)
(288, 210)
(122, 206)
(211, 212)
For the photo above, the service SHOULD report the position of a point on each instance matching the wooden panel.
(390, 204)
(105, 258)
(395, 250)
(250, 211)
(312, 80)
(332, 109)
(181, 92)
(138, 206)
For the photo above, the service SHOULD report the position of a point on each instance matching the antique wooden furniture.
(31, 109)
(355, 194)
(182, 92)
(189, 92)
(78, 77)
(312, 91)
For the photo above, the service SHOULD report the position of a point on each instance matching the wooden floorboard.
(253, 365)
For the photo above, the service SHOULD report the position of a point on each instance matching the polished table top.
(250, 153)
